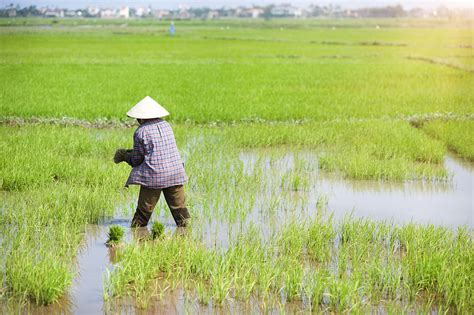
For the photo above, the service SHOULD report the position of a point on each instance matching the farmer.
(156, 164)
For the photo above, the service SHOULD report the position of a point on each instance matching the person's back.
(156, 159)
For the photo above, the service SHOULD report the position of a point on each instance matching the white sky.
(172, 4)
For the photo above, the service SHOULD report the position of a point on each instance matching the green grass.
(252, 24)
(202, 76)
(58, 155)
(457, 135)
(361, 150)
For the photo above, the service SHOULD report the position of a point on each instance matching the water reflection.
(448, 203)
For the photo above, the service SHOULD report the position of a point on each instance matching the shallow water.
(93, 261)
(445, 203)
(448, 204)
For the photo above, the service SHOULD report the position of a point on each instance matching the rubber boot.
(181, 216)
(141, 218)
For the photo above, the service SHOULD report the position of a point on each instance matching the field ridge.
(99, 123)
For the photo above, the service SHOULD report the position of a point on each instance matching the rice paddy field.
(330, 166)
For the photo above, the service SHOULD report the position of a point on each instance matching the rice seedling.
(157, 230)
(115, 235)
(315, 288)
(292, 280)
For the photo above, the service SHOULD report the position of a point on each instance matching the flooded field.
(440, 202)
(446, 203)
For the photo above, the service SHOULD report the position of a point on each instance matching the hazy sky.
(172, 4)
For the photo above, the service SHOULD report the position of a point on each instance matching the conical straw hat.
(147, 108)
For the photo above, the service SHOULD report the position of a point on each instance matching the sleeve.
(138, 154)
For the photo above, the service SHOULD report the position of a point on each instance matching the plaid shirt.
(155, 158)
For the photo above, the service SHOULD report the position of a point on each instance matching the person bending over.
(156, 164)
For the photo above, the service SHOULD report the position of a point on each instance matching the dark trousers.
(148, 198)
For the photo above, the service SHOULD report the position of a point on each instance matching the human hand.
(120, 156)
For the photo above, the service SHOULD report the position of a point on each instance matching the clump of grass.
(157, 230)
(115, 235)
(40, 279)
(457, 135)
